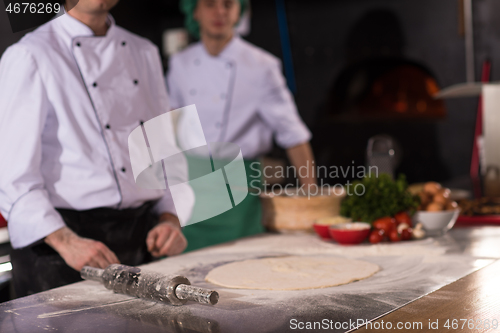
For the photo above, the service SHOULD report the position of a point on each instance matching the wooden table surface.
(471, 304)
(441, 269)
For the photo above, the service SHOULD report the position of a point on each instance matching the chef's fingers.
(110, 256)
(164, 233)
(151, 239)
(163, 237)
(173, 242)
(156, 252)
(106, 253)
(179, 245)
(101, 260)
(175, 248)
(95, 262)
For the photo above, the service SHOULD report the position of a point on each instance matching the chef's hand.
(78, 251)
(166, 239)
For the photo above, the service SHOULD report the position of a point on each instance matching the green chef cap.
(188, 7)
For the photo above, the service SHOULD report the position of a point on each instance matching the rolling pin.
(170, 289)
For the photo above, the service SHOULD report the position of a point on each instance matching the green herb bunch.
(382, 197)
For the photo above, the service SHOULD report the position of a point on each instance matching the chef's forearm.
(59, 237)
(168, 217)
(301, 157)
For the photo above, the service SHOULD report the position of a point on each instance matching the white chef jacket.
(241, 97)
(68, 102)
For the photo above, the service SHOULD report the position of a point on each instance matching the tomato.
(376, 236)
(386, 224)
(403, 217)
(394, 236)
(406, 234)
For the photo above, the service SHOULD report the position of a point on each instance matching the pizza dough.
(291, 273)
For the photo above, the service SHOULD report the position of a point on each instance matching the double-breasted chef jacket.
(68, 102)
(241, 97)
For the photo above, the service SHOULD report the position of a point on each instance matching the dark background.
(318, 32)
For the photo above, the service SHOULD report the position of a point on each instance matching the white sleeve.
(179, 197)
(278, 110)
(162, 144)
(23, 109)
(172, 79)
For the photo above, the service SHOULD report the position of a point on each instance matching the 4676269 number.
(471, 324)
(33, 8)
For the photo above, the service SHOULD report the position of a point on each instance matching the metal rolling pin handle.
(196, 294)
(91, 273)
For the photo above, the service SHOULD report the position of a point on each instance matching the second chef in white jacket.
(241, 97)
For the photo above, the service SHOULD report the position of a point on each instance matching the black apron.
(38, 267)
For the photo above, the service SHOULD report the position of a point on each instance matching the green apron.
(243, 220)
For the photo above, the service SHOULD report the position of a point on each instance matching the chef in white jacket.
(70, 94)
(241, 97)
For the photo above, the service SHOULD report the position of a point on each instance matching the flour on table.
(312, 245)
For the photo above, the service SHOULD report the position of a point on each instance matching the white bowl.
(436, 223)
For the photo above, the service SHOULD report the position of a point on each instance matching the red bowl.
(322, 230)
(3, 223)
(350, 233)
